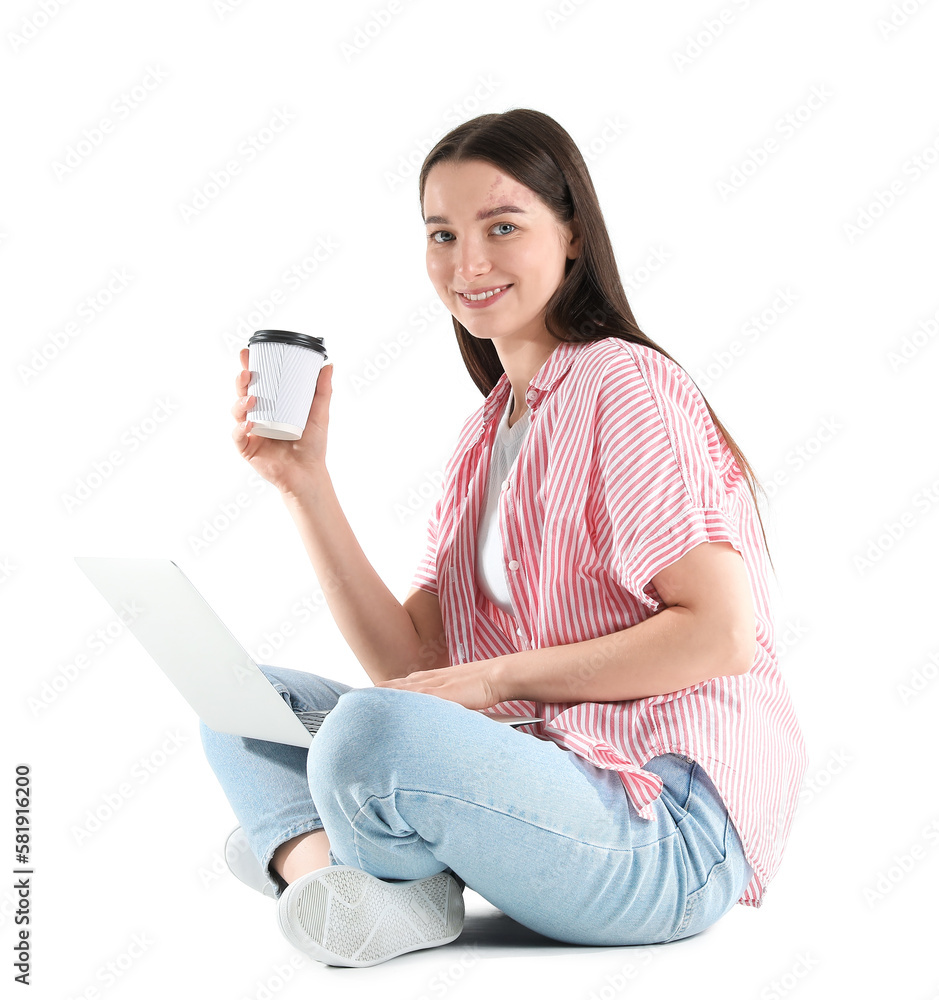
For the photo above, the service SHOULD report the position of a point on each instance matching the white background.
(667, 101)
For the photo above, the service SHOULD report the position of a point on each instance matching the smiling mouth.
(483, 297)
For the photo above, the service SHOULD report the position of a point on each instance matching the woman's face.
(487, 231)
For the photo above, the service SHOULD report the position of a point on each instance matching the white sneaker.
(244, 865)
(343, 916)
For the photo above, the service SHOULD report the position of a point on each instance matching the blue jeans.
(408, 784)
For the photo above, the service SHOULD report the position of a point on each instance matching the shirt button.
(505, 484)
(514, 564)
(518, 631)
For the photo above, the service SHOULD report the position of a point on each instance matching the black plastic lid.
(286, 337)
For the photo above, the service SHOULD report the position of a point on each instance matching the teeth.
(483, 295)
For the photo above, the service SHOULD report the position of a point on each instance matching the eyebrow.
(486, 213)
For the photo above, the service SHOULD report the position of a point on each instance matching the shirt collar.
(541, 386)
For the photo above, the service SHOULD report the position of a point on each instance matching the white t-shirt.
(490, 560)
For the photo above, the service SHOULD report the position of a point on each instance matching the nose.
(472, 257)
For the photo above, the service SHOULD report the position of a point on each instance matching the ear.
(574, 238)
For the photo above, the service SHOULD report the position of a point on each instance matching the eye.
(443, 232)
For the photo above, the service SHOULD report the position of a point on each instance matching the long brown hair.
(590, 303)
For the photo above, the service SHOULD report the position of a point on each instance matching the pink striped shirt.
(620, 474)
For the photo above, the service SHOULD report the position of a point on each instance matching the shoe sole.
(343, 916)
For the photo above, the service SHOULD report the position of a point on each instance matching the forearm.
(373, 622)
(671, 650)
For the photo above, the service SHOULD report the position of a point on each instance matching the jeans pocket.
(678, 777)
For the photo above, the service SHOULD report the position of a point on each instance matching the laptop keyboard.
(312, 720)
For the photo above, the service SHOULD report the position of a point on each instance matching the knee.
(375, 712)
(367, 730)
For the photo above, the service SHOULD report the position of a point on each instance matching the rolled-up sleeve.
(663, 470)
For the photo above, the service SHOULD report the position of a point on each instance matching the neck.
(517, 411)
(522, 360)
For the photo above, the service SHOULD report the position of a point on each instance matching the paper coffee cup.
(284, 368)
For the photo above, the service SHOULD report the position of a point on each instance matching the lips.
(487, 298)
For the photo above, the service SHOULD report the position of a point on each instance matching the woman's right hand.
(289, 465)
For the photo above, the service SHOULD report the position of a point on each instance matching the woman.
(594, 561)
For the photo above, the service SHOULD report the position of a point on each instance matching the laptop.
(209, 667)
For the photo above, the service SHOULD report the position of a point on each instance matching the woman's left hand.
(472, 684)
